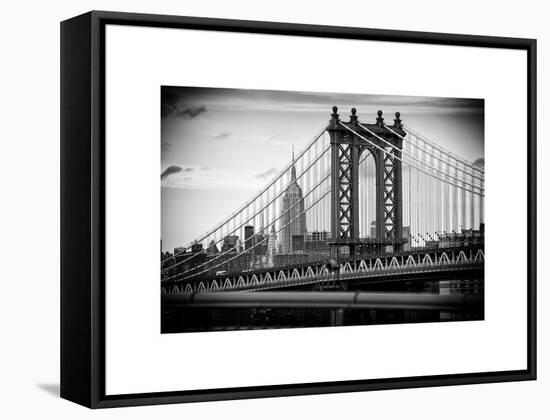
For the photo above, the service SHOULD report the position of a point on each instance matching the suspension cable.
(450, 154)
(411, 157)
(249, 218)
(254, 246)
(407, 163)
(434, 156)
(237, 245)
(246, 204)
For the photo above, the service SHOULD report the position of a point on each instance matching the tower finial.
(379, 119)
(334, 118)
(293, 169)
(397, 120)
(353, 117)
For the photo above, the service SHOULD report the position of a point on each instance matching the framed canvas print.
(256, 209)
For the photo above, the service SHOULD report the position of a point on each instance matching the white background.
(139, 60)
(30, 211)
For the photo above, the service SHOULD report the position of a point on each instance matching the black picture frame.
(83, 208)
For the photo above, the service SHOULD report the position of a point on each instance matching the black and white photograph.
(287, 209)
(340, 209)
(349, 220)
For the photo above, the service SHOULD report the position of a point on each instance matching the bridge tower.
(346, 149)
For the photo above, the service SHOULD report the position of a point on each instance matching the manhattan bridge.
(368, 216)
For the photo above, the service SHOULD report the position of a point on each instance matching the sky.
(220, 146)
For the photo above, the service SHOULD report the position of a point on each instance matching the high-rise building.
(293, 218)
(230, 243)
(179, 250)
(373, 229)
(271, 246)
(212, 248)
(248, 234)
(260, 242)
(317, 236)
(298, 243)
(196, 247)
(407, 236)
(317, 242)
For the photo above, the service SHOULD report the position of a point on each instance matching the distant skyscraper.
(293, 218)
(230, 243)
(196, 247)
(248, 234)
(317, 236)
(271, 246)
(373, 229)
(212, 248)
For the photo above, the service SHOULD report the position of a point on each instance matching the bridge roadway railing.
(384, 266)
(387, 275)
(323, 259)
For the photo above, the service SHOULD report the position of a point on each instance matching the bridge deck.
(366, 277)
(324, 260)
(381, 268)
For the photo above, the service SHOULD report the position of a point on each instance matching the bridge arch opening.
(367, 194)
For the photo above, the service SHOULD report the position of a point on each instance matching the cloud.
(215, 180)
(270, 172)
(222, 136)
(187, 113)
(174, 169)
(219, 99)
(480, 163)
(170, 107)
(168, 104)
(171, 170)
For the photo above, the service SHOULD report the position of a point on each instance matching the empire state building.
(293, 218)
